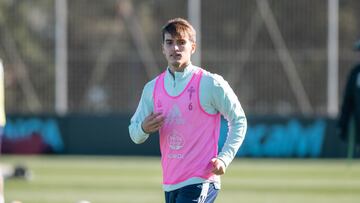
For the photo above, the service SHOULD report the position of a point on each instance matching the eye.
(181, 42)
(168, 42)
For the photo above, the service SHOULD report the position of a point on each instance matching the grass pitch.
(68, 179)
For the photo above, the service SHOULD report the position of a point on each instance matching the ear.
(193, 47)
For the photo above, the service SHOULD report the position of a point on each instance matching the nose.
(176, 47)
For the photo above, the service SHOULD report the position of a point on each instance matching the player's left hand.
(219, 167)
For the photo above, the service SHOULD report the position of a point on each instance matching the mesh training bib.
(189, 136)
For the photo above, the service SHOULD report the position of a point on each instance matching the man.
(349, 120)
(2, 124)
(185, 103)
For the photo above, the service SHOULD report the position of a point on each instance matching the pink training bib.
(189, 136)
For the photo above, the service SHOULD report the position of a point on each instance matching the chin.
(176, 64)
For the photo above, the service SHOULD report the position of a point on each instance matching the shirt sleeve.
(145, 107)
(227, 103)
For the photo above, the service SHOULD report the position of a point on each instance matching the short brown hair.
(179, 27)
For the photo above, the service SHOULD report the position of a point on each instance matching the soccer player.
(351, 104)
(184, 103)
(2, 124)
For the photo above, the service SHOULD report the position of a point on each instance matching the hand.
(153, 122)
(219, 167)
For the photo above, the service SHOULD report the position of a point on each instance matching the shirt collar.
(188, 70)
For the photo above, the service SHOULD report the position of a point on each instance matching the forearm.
(137, 134)
(144, 109)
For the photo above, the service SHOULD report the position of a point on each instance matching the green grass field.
(68, 179)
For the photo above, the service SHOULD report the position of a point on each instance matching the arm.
(144, 109)
(227, 103)
(347, 105)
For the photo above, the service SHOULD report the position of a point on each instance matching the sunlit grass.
(102, 179)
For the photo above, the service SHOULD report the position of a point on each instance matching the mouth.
(176, 55)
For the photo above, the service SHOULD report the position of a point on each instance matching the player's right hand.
(153, 122)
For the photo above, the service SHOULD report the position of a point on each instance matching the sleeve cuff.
(142, 130)
(221, 159)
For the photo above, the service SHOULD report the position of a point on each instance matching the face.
(177, 51)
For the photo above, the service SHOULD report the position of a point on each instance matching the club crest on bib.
(191, 91)
(176, 141)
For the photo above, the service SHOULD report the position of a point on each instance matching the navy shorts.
(199, 193)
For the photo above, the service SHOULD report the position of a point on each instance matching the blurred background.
(74, 73)
(79, 61)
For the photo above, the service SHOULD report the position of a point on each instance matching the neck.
(174, 69)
